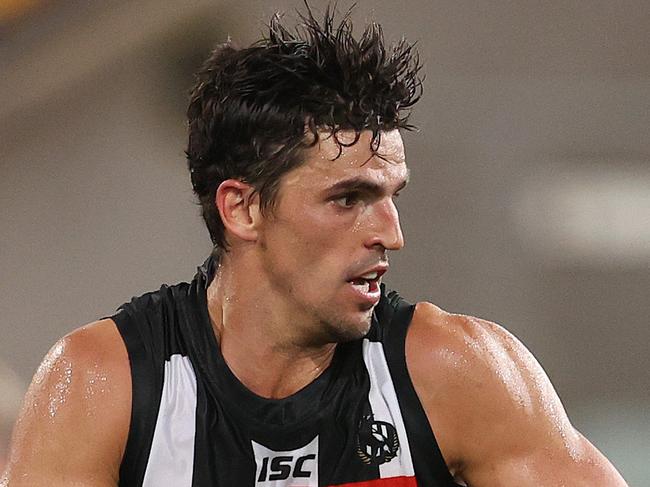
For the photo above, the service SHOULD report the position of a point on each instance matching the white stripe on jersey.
(384, 405)
(171, 460)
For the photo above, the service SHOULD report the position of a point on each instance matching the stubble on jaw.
(342, 330)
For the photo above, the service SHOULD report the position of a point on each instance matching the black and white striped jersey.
(193, 424)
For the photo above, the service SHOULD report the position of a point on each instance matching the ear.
(239, 208)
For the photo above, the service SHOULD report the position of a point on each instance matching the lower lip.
(371, 296)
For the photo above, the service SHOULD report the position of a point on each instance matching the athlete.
(286, 361)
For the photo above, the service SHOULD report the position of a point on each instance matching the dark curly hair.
(251, 110)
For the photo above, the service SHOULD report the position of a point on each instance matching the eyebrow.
(364, 185)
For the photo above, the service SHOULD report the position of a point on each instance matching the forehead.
(327, 162)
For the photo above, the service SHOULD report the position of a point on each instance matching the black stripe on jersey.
(146, 390)
(342, 464)
(218, 447)
(428, 462)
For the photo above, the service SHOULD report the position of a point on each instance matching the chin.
(347, 329)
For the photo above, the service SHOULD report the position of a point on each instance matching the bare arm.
(495, 414)
(74, 422)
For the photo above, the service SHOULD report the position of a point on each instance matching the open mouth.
(367, 283)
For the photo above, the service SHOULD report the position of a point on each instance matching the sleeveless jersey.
(193, 424)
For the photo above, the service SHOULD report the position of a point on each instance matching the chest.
(347, 431)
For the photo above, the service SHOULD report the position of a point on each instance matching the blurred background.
(529, 203)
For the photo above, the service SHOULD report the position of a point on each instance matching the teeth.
(364, 285)
(371, 276)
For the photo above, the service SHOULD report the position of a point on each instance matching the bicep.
(75, 417)
(540, 465)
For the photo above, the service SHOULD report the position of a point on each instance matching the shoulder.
(465, 344)
(76, 413)
(89, 365)
(461, 342)
(94, 354)
(479, 384)
(495, 414)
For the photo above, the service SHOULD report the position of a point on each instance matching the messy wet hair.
(254, 111)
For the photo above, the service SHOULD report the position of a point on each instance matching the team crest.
(377, 441)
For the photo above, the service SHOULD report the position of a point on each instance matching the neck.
(258, 338)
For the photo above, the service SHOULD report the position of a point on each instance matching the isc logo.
(293, 468)
(283, 467)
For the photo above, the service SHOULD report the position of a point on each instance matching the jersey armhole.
(429, 464)
(146, 388)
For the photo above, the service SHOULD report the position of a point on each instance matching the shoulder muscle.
(75, 418)
(496, 415)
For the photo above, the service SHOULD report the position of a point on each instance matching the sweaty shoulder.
(74, 423)
(496, 416)
(451, 359)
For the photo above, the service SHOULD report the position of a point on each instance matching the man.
(285, 362)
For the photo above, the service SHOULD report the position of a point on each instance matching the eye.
(347, 200)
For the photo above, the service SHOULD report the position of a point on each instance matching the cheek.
(313, 228)
(313, 242)
(329, 237)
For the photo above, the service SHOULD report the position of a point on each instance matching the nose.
(385, 230)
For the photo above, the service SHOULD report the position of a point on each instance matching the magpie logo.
(377, 441)
(289, 468)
